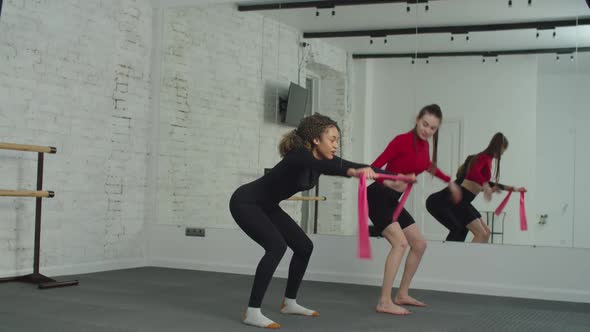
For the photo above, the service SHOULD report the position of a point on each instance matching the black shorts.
(464, 210)
(382, 202)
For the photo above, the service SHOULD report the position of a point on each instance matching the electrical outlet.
(192, 231)
(542, 219)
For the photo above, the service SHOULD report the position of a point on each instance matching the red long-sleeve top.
(406, 154)
(480, 170)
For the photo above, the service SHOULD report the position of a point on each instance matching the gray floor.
(157, 299)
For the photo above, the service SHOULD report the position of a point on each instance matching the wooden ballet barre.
(42, 281)
(29, 148)
(27, 193)
(307, 198)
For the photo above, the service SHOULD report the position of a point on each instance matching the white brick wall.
(75, 75)
(221, 70)
(332, 103)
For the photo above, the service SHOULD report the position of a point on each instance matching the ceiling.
(441, 13)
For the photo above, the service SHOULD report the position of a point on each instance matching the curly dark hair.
(310, 128)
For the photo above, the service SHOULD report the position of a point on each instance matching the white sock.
(291, 307)
(254, 316)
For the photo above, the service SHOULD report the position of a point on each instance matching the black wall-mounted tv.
(293, 108)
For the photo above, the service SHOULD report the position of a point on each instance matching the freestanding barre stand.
(37, 278)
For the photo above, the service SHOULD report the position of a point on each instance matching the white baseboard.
(519, 291)
(555, 294)
(63, 270)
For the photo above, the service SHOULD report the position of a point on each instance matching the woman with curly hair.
(307, 152)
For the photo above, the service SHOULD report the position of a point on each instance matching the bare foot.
(408, 300)
(390, 308)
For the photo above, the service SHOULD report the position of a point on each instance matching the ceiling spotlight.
(385, 41)
(467, 37)
(452, 37)
(413, 61)
(408, 9)
(530, 2)
(509, 3)
(538, 34)
(483, 60)
(554, 33)
(371, 41)
(572, 57)
(333, 12)
(427, 61)
(317, 13)
(426, 7)
(557, 58)
(496, 59)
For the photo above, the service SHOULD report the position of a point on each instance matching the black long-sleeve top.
(299, 170)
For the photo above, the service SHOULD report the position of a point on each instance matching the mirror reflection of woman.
(407, 154)
(308, 152)
(474, 177)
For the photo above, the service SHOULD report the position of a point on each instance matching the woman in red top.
(408, 154)
(474, 177)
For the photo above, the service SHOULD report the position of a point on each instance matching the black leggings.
(274, 230)
(454, 217)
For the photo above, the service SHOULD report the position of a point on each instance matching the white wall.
(556, 137)
(75, 76)
(219, 128)
(332, 212)
(391, 102)
(516, 271)
(582, 163)
(562, 158)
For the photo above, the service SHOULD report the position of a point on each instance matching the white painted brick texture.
(221, 71)
(75, 75)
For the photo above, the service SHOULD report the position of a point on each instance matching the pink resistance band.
(502, 205)
(402, 202)
(364, 245)
(523, 221)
